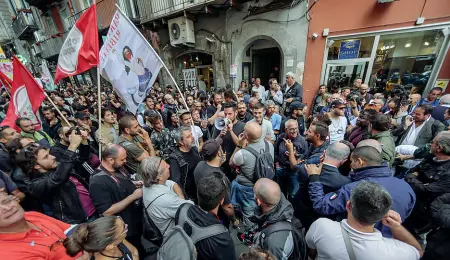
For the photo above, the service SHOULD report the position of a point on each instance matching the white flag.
(128, 61)
(46, 77)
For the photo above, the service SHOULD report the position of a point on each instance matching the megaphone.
(220, 123)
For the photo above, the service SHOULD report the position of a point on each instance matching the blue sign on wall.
(349, 49)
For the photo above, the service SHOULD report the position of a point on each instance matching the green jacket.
(40, 137)
(387, 146)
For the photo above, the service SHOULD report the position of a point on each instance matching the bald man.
(273, 213)
(372, 143)
(242, 186)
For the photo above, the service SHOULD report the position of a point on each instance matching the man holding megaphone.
(228, 128)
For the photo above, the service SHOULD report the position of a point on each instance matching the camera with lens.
(354, 97)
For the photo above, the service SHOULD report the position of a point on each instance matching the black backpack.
(179, 245)
(264, 163)
(298, 232)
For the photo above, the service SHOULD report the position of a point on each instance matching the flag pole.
(156, 54)
(99, 101)
(57, 109)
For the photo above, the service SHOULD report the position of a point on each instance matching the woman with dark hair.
(103, 238)
(172, 120)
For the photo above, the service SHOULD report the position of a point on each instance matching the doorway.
(262, 59)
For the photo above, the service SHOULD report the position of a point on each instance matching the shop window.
(406, 59)
(351, 48)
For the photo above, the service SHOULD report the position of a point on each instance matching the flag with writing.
(80, 49)
(46, 77)
(128, 61)
(26, 96)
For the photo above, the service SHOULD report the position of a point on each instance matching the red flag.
(6, 81)
(26, 96)
(80, 49)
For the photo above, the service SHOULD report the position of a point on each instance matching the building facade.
(395, 42)
(233, 40)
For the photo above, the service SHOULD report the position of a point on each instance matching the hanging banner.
(349, 49)
(6, 67)
(190, 78)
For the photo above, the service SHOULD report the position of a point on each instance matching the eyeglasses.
(292, 129)
(125, 228)
(30, 148)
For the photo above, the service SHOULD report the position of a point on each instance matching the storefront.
(195, 66)
(411, 57)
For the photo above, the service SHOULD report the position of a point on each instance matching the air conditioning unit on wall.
(181, 31)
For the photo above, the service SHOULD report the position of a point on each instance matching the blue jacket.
(403, 197)
(312, 156)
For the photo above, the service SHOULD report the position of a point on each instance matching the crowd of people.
(358, 175)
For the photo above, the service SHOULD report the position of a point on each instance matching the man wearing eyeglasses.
(297, 112)
(338, 121)
(429, 180)
(287, 178)
(31, 235)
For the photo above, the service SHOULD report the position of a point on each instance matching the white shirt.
(260, 90)
(411, 137)
(325, 235)
(337, 129)
(197, 133)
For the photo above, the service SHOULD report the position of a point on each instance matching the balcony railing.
(151, 10)
(52, 46)
(105, 11)
(24, 25)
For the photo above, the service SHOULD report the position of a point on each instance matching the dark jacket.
(300, 146)
(439, 112)
(403, 197)
(433, 179)
(280, 243)
(438, 240)
(56, 190)
(247, 117)
(295, 92)
(431, 128)
(179, 169)
(52, 131)
(312, 156)
(332, 180)
(82, 166)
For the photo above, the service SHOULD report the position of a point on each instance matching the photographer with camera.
(82, 166)
(58, 186)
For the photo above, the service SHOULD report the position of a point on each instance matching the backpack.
(298, 232)
(264, 163)
(150, 231)
(178, 245)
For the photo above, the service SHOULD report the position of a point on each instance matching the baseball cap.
(211, 146)
(337, 103)
(81, 115)
(182, 112)
(149, 112)
(296, 105)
